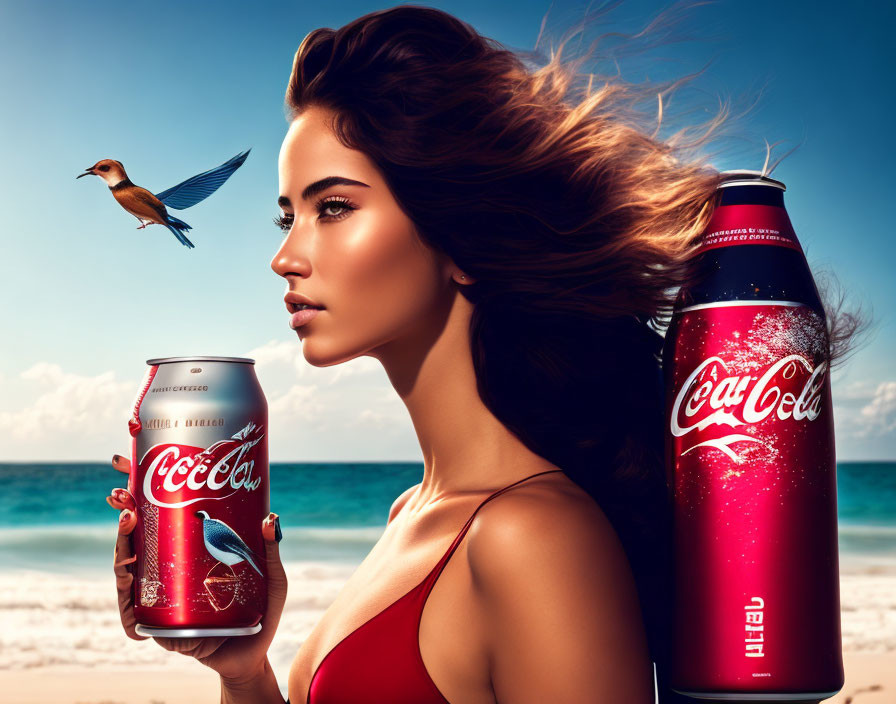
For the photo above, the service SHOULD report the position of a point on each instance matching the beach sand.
(870, 679)
(864, 673)
(48, 685)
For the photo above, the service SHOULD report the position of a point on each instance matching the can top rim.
(200, 358)
(744, 177)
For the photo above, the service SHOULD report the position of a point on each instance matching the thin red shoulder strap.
(437, 570)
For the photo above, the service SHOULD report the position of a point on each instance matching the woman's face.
(350, 249)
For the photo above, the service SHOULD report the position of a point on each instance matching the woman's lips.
(301, 317)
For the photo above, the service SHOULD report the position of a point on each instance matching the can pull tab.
(134, 425)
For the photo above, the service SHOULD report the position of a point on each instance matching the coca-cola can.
(200, 479)
(751, 459)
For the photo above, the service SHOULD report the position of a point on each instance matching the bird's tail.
(181, 237)
(251, 562)
(180, 224)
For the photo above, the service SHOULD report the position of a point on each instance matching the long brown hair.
(576, 222)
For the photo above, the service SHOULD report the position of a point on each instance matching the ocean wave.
(77, 549)
(94, 531)
(867, 529)
(52, 619)
(74, 621)
(74, 548)
(68, 535)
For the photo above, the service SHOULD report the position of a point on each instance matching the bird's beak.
(89, 172)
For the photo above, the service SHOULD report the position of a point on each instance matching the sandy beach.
(69, 647)
(870, 679)
(110, 686)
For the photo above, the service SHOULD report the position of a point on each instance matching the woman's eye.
(284, 222)
(342, 206)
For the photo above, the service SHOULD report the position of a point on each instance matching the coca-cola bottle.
(750, 456)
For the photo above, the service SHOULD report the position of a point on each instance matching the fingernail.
(278, 534)
(125, 515)
(115, 459)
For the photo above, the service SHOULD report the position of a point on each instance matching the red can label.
(203, 557)
(751, 446)
(749, 224)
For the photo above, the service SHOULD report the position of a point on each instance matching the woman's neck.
(465, 447)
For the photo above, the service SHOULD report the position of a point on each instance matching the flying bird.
(223, 543)
(151, 208)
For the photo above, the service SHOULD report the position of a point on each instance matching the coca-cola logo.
(712, 395)
(174, 472)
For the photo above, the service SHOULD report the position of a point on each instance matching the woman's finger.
(277, 582)
(121, 499)
(124, 572)
(124, 556)
(122, 464)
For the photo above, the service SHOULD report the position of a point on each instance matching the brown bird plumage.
(152, 208)
(139, 202)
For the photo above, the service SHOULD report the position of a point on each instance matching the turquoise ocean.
(54, 516)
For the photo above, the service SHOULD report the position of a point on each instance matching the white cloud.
(879, 416)
(298, 403)
(345, 412)
(865, 419)
(281, 354)
(273, 352)
(342, 413)
(65, 402)
(373, 419)
(854, 391)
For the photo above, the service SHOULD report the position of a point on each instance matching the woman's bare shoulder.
(556, 513)
(401, 501)
(558, 602)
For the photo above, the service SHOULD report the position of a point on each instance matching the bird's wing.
(227, 540)
(201, 186)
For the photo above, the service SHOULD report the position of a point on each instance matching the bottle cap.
(748, 177)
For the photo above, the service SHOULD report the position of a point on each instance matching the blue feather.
(179, 224)
(226, 540)
(200, 186)
(181, 237)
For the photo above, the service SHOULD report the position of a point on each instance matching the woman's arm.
(558, 603)
(260, 688)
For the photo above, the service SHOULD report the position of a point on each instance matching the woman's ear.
(452, 271)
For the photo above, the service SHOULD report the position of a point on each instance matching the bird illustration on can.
(223, 543)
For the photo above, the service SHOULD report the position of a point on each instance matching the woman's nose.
(291, 259)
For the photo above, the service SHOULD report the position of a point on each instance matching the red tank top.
(380, 661)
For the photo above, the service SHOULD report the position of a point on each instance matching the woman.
(501, 252)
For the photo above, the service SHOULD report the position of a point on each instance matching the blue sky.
(173, 89)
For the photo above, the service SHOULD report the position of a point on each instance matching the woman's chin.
(317, 354)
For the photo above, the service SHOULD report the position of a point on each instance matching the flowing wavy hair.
(576, 222)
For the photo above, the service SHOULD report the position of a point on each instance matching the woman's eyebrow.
(323, 184)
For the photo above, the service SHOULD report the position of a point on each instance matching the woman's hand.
(236, 658)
